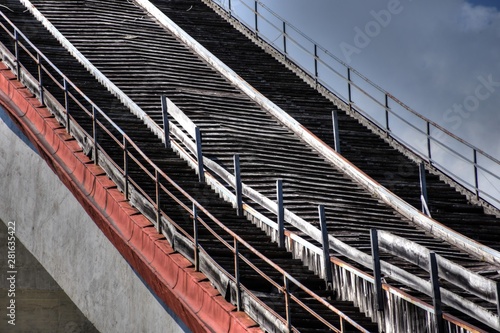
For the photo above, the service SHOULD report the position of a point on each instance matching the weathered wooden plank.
(324, 150)
(448, 270)
(181, 118)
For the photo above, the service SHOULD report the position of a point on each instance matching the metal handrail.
(292, 236)
(486, 182)
(388, 269)
(128, 146)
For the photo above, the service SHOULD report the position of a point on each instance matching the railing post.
(436, 293)
(423, 190)
(287, 303)
(326, 248)
(158, 208)
(476, 179)
(237, 274)
(336, 134)
(498, 300)
(16, 54)
(125, 168)
(66, 104)
(281, 213)
(199, 155)
(256, 14)
(230, 8)
(40, 78)
(316, 63)
(284, 39)
(166, 126)
(388, 129)
(94, 134)
(429, 149)
(377, 274)
(349, 93)
(238, 187)
(195, 235)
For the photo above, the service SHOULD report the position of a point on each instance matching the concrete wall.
(58, 232)
(41, 305)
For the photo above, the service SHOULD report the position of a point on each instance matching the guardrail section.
(103, 139)
(184, 137)
(470, 166)
(349, 283)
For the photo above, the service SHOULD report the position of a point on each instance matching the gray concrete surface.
(41, 305)
(62, 237)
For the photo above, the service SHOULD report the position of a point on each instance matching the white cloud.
(477, 18)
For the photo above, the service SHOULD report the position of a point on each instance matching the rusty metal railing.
(69, 103)
(470, 166)
(294, 243)
(347, 281)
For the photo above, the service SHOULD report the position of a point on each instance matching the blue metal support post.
(199, 156)
(166, 125)
(238, 186)
(281, 213)
(326, 248)
(436, 293)
(336, 135)
(423, 190)
(377, 274)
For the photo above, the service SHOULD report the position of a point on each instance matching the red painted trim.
(169, 274)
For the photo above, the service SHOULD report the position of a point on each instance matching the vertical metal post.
(423, 190)
(336, 135)
(166, 126)
(387, 113)
(436, 293)
(326, 248)
(238, 187)
(429, 151)
(40, 78)
(476, 179)
(281, 213)
(199, 155)
(316, 63)
(284, 39)
(125, 168)
(158, 208)
(66, 104)
(16, 54)
(94, 134)
(377, 274)
(498, 300)
(256, 18)
(349, 93)
(195, 234)
(237, 274)
(230, 8)
(287, 304)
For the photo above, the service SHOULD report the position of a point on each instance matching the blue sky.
(442, 58)
(433, 55)
(487, 3)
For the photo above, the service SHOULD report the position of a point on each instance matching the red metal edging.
(170, 275)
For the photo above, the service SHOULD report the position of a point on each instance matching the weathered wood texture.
(146, 61)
